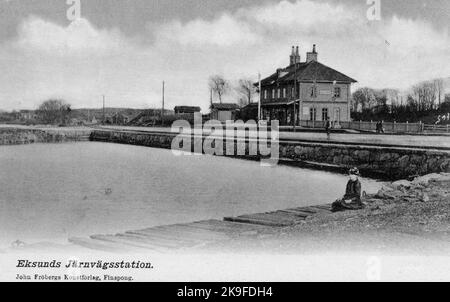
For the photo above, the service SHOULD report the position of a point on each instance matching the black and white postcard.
(224, 141)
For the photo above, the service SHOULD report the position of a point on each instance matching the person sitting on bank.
(352, 198)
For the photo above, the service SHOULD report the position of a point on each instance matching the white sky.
(125, 49)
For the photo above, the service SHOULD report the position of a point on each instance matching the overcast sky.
(125, 48)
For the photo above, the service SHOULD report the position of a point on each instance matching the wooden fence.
(388, 127)
(437, 128)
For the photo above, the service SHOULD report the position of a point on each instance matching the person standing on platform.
(328, 128)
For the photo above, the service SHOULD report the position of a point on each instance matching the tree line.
(54, 112)
(425, 101)
(51, 112)
(243, 89)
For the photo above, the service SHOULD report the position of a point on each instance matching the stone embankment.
(391, 162)
(22, 136)
(386, 162)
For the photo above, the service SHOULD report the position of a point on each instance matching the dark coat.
(353, 191)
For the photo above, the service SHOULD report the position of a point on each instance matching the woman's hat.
(354, 171)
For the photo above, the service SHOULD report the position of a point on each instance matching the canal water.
(50, 192)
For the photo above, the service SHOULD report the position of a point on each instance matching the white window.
(273, 93)
(337, 92)
(265, 94)
(284, 92)
(279, 93)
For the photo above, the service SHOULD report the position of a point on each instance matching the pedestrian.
(352, 197)
(328, 128)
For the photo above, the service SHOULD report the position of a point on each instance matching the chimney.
(292, 57)
(312, 56)
(297, 56)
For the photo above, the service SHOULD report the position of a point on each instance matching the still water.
(50, 192)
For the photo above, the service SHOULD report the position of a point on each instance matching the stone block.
(403, 162)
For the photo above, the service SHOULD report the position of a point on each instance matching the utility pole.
(314, 103)
(295, 94)
(211, 97)
(104, 114)
(162, 109)
(260, 97)
(211, 103)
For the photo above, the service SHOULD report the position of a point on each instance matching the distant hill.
(107, 110)
(85, 113)
(89, 114)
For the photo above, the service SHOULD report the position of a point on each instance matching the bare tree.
(439, 85)
(219, 86)
(425, 95)
(393, 96)
(412, 103)
(246, 90)
(54, 112)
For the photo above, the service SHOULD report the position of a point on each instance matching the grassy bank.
(20, 135)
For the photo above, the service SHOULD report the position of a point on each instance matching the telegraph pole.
(295, 95)
(211, 97)
(163, 99)
(260, 97)
(104, 114)
(314, 102)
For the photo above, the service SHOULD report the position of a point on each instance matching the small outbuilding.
(249, 112)
(224, 112)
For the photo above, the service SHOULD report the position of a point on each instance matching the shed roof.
(225, 106)
(189, 109)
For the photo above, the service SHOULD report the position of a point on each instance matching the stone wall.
(21, 136)
(391, 163)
